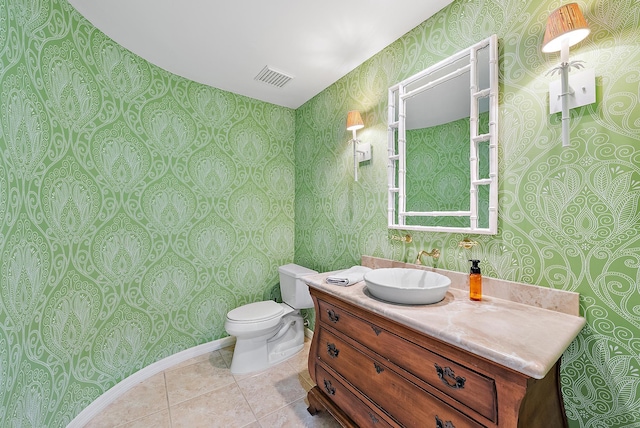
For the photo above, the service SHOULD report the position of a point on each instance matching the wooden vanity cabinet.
(373, 371)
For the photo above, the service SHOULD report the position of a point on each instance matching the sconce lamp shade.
(354, 121)
(564, 23)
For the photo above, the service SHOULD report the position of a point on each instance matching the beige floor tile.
(302, 357)
(304, 375)
(227, 354)
(301, 360)
(300, 363)
(272, 389)
(145, 398)
(155, 420)
(239, 377)
(295, 415)
(193, 380)
(199, 359)
(225, 407)
(203, 393)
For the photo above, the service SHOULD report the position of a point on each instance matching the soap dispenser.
(475, 281)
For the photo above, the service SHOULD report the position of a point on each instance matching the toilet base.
(275, 346)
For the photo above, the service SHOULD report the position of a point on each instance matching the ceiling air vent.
(273, 77)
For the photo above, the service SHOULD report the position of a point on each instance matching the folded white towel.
(349, 276)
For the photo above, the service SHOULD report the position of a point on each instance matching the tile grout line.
(140, 417)
(293, 367)
(201, 393)
(235, 381)
(166, 396)
(247, 401)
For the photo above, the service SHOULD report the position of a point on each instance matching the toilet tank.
(295, 292)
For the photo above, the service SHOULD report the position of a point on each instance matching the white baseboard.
(101, 403)
(308, 333)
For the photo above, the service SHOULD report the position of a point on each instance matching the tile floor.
(202, 392)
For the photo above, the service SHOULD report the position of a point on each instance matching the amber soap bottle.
(475, 281)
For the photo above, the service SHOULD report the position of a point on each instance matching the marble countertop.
(525, 338)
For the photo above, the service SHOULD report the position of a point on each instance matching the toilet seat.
(256, 312)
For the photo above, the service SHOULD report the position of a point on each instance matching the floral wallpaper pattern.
(444, 151)
(568, 218)
(136, 209)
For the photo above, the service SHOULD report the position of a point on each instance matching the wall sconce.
(566, 26)
(361, 151)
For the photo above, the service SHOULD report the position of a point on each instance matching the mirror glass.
(443, 145)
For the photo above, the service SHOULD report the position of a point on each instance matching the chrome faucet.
(435, 253)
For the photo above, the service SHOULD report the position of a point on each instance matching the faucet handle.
(406, 238)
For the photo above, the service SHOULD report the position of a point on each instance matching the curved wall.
(136, 209)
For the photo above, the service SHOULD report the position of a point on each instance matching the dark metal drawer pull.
(373, 418)
(376, 330)
(440, 424)
(379, 368)
(332, 350)
(329, 388)
(447, 373)
(333, 317)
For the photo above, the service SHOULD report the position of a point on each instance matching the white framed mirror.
(443, 145)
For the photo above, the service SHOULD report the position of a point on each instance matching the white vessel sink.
(407, 286)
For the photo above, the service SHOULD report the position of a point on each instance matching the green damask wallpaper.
(444, 151)
(136, 209)
(569, 218)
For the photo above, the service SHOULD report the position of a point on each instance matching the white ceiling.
(225, 44)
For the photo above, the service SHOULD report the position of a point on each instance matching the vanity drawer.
(474, 390)
(410, 405)
(357, 410)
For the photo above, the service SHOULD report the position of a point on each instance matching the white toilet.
(269, 332)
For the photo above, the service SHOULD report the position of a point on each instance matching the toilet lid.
(255, 312)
